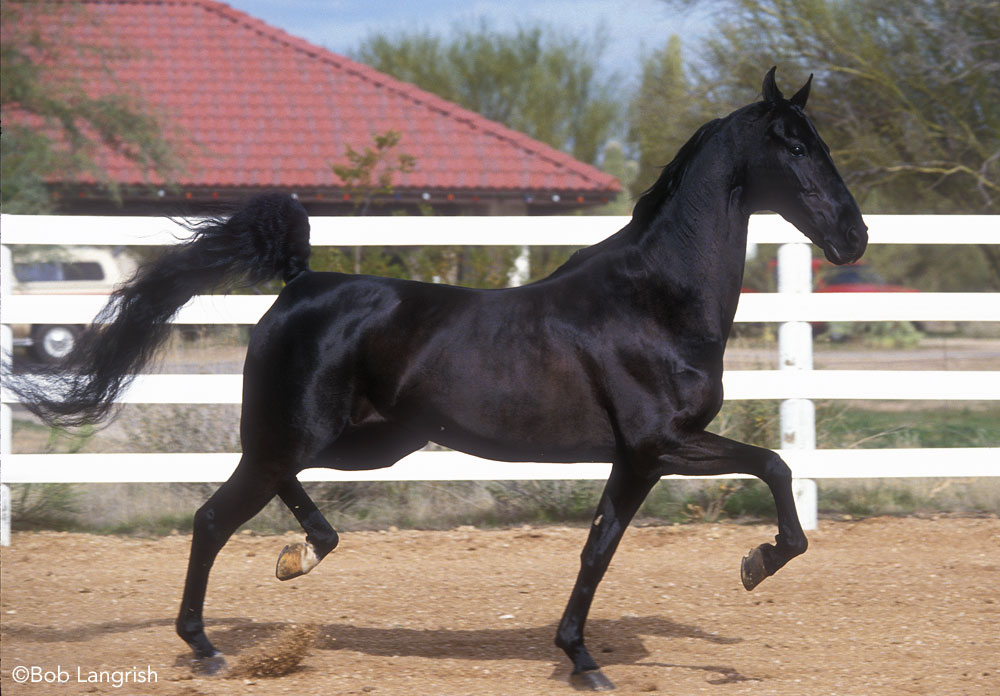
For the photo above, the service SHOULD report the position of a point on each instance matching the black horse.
(617, 356)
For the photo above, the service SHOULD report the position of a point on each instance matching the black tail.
(267, 238)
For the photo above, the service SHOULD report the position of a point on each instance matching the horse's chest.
(675, 389)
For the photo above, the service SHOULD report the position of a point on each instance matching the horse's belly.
(504, 447)
(521, 424)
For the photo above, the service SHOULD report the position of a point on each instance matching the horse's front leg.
(706, 454)
(622, 497)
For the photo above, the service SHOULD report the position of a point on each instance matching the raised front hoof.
(295, 560)
(752, 570)
(591, 680)
(213, 666)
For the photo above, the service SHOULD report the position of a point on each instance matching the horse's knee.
(776, 471)
(204, 520)
(204, 525)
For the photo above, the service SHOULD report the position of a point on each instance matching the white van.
(65, 271)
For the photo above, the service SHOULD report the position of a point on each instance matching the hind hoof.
(295, 560)
(210, 666)
(752, 570)
(591, 680)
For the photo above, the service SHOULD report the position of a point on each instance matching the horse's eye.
(797, 151)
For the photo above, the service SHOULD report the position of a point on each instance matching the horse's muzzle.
(850, 248)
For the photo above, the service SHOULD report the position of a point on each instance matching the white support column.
(795, 352)
(798, 416)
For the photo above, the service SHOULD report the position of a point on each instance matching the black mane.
(653, 198)
(649, 202)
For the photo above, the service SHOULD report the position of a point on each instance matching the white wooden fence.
(794, 306)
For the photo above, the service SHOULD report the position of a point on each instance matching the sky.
(632, 27)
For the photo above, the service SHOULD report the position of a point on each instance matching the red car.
(857, 277)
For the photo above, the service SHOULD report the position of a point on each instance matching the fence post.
(6, 416)
(795, 352)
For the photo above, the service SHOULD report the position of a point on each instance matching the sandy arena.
(875, 608)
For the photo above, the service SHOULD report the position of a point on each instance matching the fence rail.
(753, 307)
(790, 308)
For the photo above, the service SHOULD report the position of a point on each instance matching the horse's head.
(792, 174)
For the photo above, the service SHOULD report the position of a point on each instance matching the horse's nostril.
(857, 239)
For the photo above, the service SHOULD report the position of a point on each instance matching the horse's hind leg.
(299, 558)
(246, 492)
(373, 446)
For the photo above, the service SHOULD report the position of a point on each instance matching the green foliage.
(868, 497)
(43, 506)
(151, 525)
(906, 94)
(870, 500)
(752, 421)
(370, 172)
(664, 112)
(933, 268)
(616, 161)
(67, 126)
(533, 80)
(882, 334)
(711, 501)
(542, 502)
(848, 426)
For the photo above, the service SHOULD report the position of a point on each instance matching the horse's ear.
(800, 97)
(771, 92)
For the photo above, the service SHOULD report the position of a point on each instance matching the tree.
(531, 80)
(664, 112)
(370, 173)
(616, 161)
(58, 127)
(906, 94)
(365, 175)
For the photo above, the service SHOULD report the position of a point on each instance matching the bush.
(43, 506)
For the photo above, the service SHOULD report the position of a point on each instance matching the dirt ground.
(877, 607)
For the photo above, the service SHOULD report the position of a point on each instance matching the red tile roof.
(260, 108)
